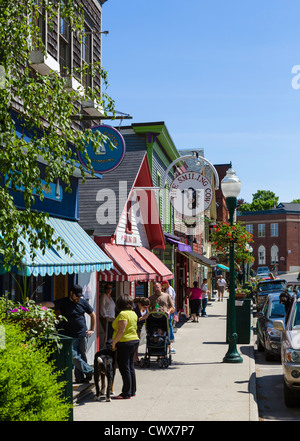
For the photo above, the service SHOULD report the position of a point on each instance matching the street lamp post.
(231, 186)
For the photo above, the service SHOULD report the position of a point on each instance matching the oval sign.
(104, 160)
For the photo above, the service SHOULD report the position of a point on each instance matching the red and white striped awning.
(133, 264)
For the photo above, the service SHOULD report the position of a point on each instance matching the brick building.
(276, 235)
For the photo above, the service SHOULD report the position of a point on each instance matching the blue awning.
(223, 267)
(86, 254)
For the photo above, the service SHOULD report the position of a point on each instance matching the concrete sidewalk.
(198, 386)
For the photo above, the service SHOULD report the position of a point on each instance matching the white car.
(290, 353)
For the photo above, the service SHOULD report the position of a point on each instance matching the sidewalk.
(198, 386)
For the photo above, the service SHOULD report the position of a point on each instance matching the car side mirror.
(278, 325)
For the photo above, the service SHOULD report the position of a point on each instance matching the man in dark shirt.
(73, 309)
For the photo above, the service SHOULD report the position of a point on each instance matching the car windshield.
(277, 309)
(271, 287)
(296, 317)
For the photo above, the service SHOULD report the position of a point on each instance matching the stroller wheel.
(166, 363)
(142, 362)
(160, 363)
(147, 363)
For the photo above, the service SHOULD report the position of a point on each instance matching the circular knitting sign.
(109, 154)
(191, 194)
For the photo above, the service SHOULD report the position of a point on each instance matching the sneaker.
(173, 351)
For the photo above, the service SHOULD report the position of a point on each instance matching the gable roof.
(115, 190)
(88, 203)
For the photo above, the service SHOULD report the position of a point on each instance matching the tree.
(47, 108)
(262, 200)
(295, 201)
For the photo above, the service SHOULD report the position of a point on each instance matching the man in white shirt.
(221, 286)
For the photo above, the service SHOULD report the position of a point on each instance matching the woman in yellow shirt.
(126, 341)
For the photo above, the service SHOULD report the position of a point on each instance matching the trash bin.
(63, 361)
(243, 321)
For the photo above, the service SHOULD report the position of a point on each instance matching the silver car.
(268, 338)
(290, 353)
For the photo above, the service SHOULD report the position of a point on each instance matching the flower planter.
(240, 295)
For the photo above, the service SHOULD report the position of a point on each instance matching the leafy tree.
(295, 201)
(47, 110)
(262, 200)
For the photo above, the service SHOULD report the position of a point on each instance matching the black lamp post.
(231, 186)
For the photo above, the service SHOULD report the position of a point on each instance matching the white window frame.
(261, 230)
(274, 230)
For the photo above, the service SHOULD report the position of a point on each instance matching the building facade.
(276, 235)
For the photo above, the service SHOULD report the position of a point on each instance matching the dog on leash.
(104, 367)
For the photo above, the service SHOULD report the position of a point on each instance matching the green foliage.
(262, 200)
(295, 201)
(28, 381)
(47, 108)
(37, 321)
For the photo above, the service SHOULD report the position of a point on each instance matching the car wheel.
(291, 398)
(260, 347)
(268, 356)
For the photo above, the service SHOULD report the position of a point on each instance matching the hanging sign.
(107, 156)
(191, 194)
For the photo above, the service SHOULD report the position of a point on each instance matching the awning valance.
(86, 255)
(133, 264)
(223, 267)
(201, 259)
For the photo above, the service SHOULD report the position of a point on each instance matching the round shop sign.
(191, 194)
(108, 155)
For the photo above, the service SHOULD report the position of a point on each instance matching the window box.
(43, 63)
(93, 108)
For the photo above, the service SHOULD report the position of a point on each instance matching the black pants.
(125, 359)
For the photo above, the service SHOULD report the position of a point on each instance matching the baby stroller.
(157, 340)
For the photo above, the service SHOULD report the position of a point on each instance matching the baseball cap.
(77, 290)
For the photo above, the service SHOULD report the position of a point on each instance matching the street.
(269, 385)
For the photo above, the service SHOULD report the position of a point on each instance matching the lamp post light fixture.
(231, 187)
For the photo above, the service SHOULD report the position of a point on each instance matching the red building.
(276, 235)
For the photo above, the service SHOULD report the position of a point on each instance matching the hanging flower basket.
(223, 235)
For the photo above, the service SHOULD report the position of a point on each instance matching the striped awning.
(86, 255)
(134, 264)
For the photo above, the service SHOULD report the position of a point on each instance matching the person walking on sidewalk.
(126, 341)
(195, 296)
(171, 291)
(73, 308)
(205, 292)
(221, 286)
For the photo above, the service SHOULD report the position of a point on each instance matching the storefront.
(131, 230)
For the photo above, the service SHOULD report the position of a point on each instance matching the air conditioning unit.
(43, 63)
(92, 108)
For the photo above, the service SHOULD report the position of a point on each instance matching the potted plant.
(241, 293)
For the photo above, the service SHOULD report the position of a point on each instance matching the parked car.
(268, 338)
(292, 287)
(262, 269)
(290, 353)
(266, 287)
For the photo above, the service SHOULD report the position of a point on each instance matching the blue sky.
(219, 74)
